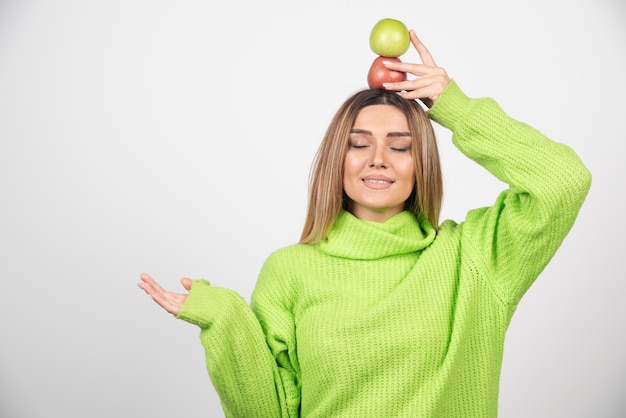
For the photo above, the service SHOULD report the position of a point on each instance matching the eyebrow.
(389, 134)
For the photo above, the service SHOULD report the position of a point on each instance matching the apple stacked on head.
(389, 39)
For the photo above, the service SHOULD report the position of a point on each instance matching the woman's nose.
(378, 158)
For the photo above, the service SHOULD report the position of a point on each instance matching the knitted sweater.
(396, 319)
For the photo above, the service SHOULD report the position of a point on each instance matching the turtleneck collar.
(367, 240)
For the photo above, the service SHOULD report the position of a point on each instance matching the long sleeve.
(273, 301)
(548, 183)
(242, 369)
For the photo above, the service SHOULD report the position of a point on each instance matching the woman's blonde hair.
(326, 194)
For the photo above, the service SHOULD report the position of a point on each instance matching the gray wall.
(175, 138)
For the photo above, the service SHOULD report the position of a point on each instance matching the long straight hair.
(326, 194)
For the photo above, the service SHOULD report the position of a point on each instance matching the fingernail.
(386, 85)
(386, 62)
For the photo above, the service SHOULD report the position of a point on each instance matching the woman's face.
(379, 173)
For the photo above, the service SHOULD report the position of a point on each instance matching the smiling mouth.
(376, 181)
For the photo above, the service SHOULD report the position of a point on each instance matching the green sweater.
(396, 319)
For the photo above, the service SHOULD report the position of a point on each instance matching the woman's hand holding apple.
(430, 82)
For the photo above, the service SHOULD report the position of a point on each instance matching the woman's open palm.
(170, 301)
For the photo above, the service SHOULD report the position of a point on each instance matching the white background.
(175, 138)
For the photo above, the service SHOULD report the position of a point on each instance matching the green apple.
(389, 38)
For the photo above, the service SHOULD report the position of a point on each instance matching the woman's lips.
(377, 182)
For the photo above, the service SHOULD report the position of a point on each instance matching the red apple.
(379, 74)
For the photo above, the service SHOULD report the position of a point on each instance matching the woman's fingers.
(170, 301)
(427, 87)
(151, 287)
(421, 70)
(430, 79)
(186, 281)
(421, 49)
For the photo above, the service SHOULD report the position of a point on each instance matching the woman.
(380, 310)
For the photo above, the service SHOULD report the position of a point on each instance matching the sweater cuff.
(450, 107)
(203, 304)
